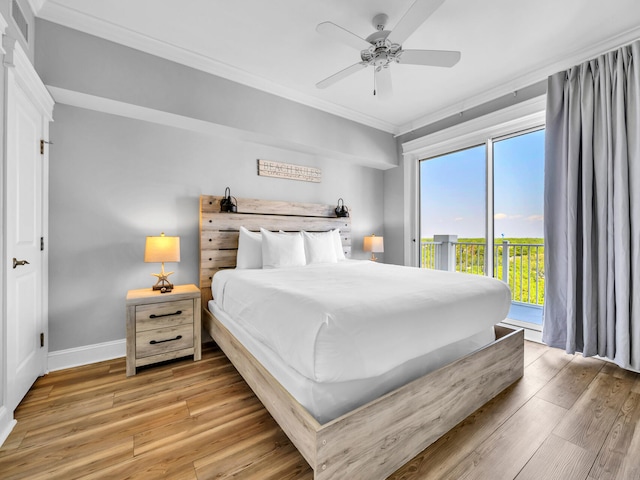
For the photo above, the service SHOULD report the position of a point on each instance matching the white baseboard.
(7, 422)
(529, 334)
(533, 335)
(75, 357)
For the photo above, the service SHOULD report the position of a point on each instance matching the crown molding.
(36, 5)
(540, 73)
(71, 18)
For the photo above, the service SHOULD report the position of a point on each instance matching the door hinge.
(42, 142)
(42, 339)
(42, 244)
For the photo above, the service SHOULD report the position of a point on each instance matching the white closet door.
(25, 261)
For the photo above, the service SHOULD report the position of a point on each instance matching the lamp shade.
(373, 244)
(162, 249)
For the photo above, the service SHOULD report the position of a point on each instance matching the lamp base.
(164, 287)
(163, 283)
(373, 258)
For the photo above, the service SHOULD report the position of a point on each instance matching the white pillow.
(319, 247)
(282, 249)
(249, 249)
(337, 241)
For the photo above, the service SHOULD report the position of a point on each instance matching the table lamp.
(373, 244)
(159, 250)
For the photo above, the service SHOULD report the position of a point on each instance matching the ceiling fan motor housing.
(382, 52)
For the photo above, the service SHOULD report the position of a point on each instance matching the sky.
(452, 190)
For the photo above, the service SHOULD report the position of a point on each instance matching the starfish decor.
(163, 283)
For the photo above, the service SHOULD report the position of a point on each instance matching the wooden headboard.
(219, 230)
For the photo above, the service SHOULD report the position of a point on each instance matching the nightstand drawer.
(163, 340)
(159, 315)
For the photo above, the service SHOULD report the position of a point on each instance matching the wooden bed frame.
(374, 440)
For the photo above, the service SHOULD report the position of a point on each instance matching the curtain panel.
(592, 208)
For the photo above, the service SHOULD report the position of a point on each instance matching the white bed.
(339, 335)
(388, 429)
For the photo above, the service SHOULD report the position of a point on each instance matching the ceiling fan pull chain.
(374, 82)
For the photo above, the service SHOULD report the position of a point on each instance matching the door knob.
(17, 263)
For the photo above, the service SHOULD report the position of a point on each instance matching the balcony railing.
(524, 272)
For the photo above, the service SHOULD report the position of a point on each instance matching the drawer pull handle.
(154, 342)
(153, 315)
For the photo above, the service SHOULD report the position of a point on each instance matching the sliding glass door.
(518, 187)
(452, 211)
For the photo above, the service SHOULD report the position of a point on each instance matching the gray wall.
(115, 180)
(394, 213)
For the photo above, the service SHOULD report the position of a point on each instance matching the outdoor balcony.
(520, 265)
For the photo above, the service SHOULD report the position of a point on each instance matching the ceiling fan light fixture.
(380, 21)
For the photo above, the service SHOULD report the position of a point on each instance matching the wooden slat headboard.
(219, 230)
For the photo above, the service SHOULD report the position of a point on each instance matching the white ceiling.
(273, 45)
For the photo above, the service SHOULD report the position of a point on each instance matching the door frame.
(17, 64)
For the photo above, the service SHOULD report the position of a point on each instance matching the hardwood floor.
(568, 418)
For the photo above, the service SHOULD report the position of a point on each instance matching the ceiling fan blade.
(341, 35)
(415, 16)
(341, 74)
(432, 58)
(383, 83)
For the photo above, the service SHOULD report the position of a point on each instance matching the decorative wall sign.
(267, 168)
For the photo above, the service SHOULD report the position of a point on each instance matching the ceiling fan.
(384, 47)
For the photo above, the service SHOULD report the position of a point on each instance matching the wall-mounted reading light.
(228, 203)
(341, 210)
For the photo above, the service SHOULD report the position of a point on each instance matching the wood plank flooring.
(568, 418)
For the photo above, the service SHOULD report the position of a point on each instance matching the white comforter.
(358, 319)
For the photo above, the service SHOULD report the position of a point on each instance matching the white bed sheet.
(357, 319)
(327, 401)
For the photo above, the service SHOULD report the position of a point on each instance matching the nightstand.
(162, 326)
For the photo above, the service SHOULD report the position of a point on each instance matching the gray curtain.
(592, 208)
